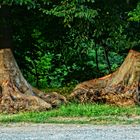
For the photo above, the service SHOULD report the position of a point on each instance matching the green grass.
(79, 113)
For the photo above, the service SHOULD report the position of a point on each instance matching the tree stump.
(121, 87)
(16, 94)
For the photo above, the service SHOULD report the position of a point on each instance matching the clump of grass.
(95, 110)
(92, 113)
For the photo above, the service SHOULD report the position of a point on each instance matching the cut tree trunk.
(16, 94)
(121, 87)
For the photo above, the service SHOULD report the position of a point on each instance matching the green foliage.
(72, 9)
(135, 14)
(29, 3)
(69, 41)
(42, 67)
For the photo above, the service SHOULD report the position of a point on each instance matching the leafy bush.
(72, 41)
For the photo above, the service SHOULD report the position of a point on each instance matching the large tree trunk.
(120, 87)
(15, 93)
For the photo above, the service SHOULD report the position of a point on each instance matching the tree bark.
(121, 87)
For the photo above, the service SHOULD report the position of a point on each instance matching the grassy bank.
(79, 113)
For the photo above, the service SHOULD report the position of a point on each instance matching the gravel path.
(68, 132)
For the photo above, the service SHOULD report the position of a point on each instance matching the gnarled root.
(52, 98)
(12, 100)
(91, 95)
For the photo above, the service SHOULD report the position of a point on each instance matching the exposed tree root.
(12, 100)
(52, 98)
(120, 87)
